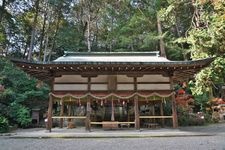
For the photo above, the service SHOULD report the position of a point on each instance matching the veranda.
(113, 111)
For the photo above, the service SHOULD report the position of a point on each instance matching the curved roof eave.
(44, 71)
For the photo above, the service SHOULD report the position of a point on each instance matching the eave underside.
(179, 71)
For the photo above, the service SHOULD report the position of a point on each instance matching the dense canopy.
(41, 30)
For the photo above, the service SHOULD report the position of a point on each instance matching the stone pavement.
(80, 132)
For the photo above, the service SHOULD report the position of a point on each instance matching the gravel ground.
(214, 142)
(162, 143)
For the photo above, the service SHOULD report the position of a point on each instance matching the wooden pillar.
(136, 113)
(135, 84)
(89, 84)
(128, 112)
(113, 112)
(174, 107)
(61, 113)
(174, 111)
(69, 120)
(50, 106)
(162, 113)
(88, 114)
(153, 111)
(69, 109)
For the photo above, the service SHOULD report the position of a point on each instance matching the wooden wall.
(111, 83)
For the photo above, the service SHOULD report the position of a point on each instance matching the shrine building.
(113, 90)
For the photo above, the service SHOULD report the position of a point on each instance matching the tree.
(206, 38)
(33, 30)
(20, 89)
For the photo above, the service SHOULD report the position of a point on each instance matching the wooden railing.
(155, 117)
(113, 124)
(69, 117)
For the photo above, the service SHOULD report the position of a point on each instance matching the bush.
(183, 119)
(21, 115)
(4, 124)
(186, 118)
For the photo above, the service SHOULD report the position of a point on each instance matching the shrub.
(21, 115)
(4, 124)
(185, 118)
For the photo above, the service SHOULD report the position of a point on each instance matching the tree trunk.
(26, 47)
(2, 9)
(177, 25)
(161, 42)
(49, 16)
(196, 15)
(42, 38)
(46, 47)
(88, 33)
(33, 30)
(95, 42)
(112, 30)
(54, 37)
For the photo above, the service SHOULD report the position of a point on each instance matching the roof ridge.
(71, 53)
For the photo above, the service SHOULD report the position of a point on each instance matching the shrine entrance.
(112, 111)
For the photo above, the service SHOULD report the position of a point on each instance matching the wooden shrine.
(138, 85)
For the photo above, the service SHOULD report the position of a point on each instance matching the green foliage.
(4, 124)
(20, 89)
(201, 100)
(206, 79)
(185, 118)
(206, 39)
(20, 114)
(69, 39)
(190, 30)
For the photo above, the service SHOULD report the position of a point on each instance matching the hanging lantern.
(101, 102)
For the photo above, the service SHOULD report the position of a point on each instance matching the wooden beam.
(135, 84)
(155, 117)
(112, 113)
(61, 113)
(88, 114)
(50, 106)
(174, 107)
(69, 117)
(136, 113)
(153, 112)
(89, 84)
(162, 113)
(112, 122)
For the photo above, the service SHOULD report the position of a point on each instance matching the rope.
(111, 95)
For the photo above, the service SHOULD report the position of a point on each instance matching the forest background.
(41, 30)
